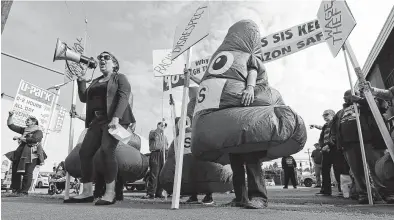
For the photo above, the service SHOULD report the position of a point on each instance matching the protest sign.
(290, 35)
(198, 68)
(191, 30)
(163, 65)
(291, 40)
(31, 100)
(275, 53)
(337, 22)
(76, 68)
(275, 46)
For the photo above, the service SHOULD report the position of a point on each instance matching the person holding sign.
(347, 139)
(107, 107)
(27, 156)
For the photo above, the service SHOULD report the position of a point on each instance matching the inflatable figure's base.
(276, 130)
(274, 151)
(132, 165)
(200, 188)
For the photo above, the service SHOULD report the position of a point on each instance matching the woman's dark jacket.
(22, 154)
(118, 99)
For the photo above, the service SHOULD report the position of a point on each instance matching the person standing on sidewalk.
(347, 139)
(328, 151)
(157, 143)
(289, 165)
(317, 157)
(27, 156)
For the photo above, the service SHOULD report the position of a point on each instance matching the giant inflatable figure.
(222, 124)
(132, 164)
(197, 176)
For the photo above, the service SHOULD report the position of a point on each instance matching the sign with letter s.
(209, 94)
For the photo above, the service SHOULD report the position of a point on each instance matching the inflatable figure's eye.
(221, 63)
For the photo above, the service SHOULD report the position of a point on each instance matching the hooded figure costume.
(222, 125)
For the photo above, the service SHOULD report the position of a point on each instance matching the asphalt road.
(289, 204)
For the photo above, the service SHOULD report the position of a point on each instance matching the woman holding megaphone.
(107, 107)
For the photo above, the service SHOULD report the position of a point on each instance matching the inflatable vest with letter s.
(132, 165)
(222, 125)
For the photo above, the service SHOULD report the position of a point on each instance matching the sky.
(310, 81)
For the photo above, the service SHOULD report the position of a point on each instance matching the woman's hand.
(248, 96)
(15, 138)
(114, 123)
(10, 113)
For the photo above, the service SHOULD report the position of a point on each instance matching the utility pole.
(5, 10)
(310, 163)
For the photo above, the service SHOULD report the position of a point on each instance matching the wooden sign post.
(188, 33)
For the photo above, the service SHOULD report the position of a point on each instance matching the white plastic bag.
(346, 183)
(120, 134)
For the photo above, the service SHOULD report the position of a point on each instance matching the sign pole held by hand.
(360, 135)
(181, 139)
(189, 32)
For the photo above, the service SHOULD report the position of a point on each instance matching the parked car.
(139, 185)
(42, 181)
(308, 180)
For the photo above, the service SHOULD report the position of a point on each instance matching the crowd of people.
(339, 146)
(108, 106)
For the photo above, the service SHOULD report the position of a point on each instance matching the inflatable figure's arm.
(248, 93)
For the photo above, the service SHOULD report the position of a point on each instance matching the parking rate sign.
(30, 100)
(337, 22)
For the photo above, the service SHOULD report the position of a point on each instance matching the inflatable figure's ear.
(221, 63)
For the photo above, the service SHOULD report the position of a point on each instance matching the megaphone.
(63, 52)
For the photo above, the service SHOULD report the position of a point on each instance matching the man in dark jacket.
(328, 151)
(289, 165)
(346, 134)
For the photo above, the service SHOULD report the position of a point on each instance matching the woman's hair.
(33, 119)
